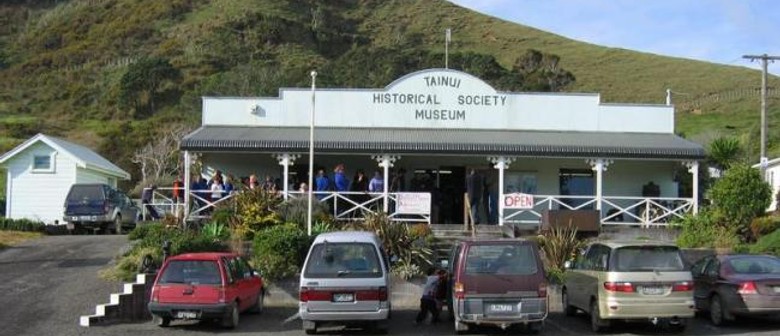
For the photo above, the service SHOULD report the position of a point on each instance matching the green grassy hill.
(64, 64)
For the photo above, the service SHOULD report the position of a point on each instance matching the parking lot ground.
(272, 322)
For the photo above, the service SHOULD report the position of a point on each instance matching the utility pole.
(764, 60)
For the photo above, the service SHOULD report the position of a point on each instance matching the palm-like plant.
(725, 152)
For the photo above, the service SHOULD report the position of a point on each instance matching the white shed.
(773, 178)
(41, 171)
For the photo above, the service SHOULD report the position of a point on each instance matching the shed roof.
(83, 156)
(443, 141)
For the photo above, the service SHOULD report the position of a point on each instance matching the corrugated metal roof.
(443, 141)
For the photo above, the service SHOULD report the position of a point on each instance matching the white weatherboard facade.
(530, 141)
(773, 178)
(40, 172)
(440, 99)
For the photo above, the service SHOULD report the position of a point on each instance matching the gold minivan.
(630, 281)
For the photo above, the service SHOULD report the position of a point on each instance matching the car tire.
(535, 327)
(678, 327)
(118, 224)
(162, 322)
(597, 324)
(568, 309)
(259, 303)
(460, 327)
(309, 327)
(718, 316)
(230, 321)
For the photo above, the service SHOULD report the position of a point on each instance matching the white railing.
(616, 210)
(344, 206)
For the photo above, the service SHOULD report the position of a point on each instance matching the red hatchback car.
(206, 286)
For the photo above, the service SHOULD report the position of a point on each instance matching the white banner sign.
(518, 201)
(414, 203)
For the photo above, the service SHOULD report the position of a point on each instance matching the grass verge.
(11, 238)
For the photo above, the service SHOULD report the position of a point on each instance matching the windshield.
(647, 258)
(195, 272)
(85, 193)
(510, 259)
(343, 260)
(755, 265)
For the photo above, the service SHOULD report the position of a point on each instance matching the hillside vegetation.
(111, 74)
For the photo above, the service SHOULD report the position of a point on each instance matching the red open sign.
(518, 201)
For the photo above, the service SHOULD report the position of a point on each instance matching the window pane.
(648, 258)
(343, 260)
(194, 272)
(513, 259)
(42, 162)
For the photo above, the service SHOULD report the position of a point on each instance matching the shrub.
(279, 251)
(406, 270)
(397, 239)
(216, 231)
(21, 225)
(761, 226)
(149, 240)
(768, 244)
(295, 210)
(741, 195)
(254, 210)
(706, 230)
(558, 245)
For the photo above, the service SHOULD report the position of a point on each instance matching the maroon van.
(498, 282)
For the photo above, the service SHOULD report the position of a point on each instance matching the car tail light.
(309, 294)
(684, 286)
(747, 288)
(155, 294)
(378, 294)
(459, 290)
(624, 287)
(222, 295)
(542, 291)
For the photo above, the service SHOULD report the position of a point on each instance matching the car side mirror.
(568, 264)
(256, 274)
(444, 263)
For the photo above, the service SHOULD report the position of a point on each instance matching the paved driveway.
(47, 283)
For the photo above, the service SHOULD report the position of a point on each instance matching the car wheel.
(162, 321)
(535, 327)
(460, 327)
(230, 321)
(310, 327)
(568, 309)
(118, 225)
(718, 316)
(678, 327)
(259, 303)
(597, 324)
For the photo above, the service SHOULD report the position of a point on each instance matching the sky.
(719, 31)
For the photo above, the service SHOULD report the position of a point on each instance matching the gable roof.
(82, 156)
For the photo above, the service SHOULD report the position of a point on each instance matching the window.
(509, 259)
(648, 258)
(343, 260)
(195, 272)
(576, 182)
(43, 163)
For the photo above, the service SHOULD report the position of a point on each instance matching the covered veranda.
(555, 167)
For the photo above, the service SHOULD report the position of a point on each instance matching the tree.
(741, 195)
(725, 152)
(140, 86)
(160, 158)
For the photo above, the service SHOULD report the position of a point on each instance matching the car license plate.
(653, 290)
(343, 297)
(501, 308)
(84, 218)
(186, 315)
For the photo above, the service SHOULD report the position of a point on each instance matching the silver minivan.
(345, 281)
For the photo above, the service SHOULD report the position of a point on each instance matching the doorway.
(576, 182)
